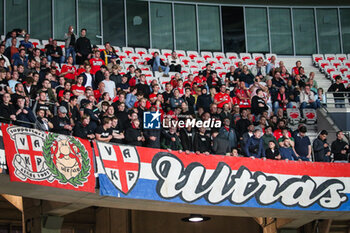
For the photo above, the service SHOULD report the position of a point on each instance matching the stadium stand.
(105, 95)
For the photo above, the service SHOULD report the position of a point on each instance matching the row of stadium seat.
(333, 65)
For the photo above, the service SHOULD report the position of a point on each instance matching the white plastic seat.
(346, 74)
(225, 61)
(250, 62)
(341, 57)
(219, 55)
(128, 50)
(206, 55)
(323, 63)
(316, 58)
(200, 60)
(194, 71)
(245, 56)
(128, 61)
(213, 61)
(140, 62)
(329, 57)
(336, 63)
(122, 55)
(343, 68)
(221, 73)
(147, 57)
(117, 49)
(167, 52)
(329, 69)
(141, 51)
(134, 56)
(257, 56)
(232, 56)
(192, 54)
(180, 53)
(185, 71)
(185, 60)
(346, 63)
(192, 65)
(219, 67)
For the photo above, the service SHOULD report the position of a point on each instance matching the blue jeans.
(342, 101)
(308, 105)
(156, 65)
(70, 52)
(59, 60)
(276, 106)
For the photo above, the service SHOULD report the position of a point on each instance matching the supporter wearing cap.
(61, 123)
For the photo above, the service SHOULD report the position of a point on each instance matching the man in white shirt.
(174, 63)
(109, 85)
(88, 79)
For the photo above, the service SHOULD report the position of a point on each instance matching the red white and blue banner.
(49, 159)
(152, 174)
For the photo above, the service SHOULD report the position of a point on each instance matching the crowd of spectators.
(89, 98)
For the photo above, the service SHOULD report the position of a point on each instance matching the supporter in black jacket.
(202, 143)
(340, 148)
(7, 110)
(94, 120)
(338, 86)
(133, 134)
(83, 47)
(82, 128)
(204, 100)
(272, 152)
(321, 149)
(242, 124)
(152, 137)
(258, 104)
(214, 80)
(187, 138)
(221, 146)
